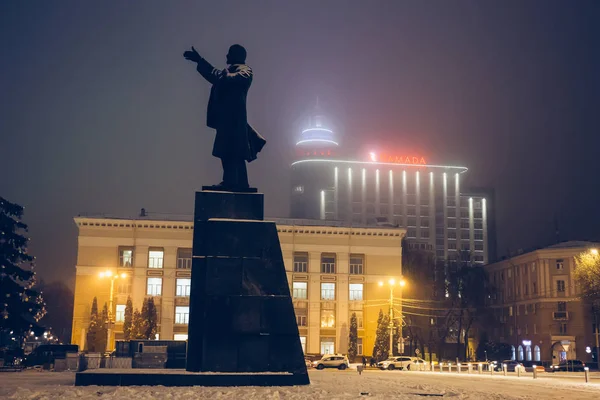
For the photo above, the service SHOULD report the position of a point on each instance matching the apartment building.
(536, 306)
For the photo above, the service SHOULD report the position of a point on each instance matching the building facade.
(333, 272)
(396, 189)
(536, 307)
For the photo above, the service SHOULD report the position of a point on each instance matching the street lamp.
(108, 274)
(392, 283)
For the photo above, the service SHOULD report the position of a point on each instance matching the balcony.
(560, 315)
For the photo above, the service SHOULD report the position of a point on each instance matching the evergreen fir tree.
(353, 338)
(376, 346)
(103, 329)
(396, 337)
(381, 350)
(136, 325)
(128, 320)
(21, 307)
(92, 333)
(149, 319)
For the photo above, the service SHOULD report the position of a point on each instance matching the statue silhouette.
(236, 142)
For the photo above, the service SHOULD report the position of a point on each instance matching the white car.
(332, 361)
(402, 362)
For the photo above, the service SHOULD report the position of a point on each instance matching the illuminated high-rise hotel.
(394, 188)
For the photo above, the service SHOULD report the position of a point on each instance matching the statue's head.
(236, 54)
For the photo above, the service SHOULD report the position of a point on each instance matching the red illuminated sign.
(396, 159)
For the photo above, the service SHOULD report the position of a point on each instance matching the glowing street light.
(109, 274)
(594, 251)
(392, 283)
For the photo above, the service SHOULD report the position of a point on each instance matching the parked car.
(511, 365)
(332, 361)
(402, 362)
(48, 353)
(568, 365)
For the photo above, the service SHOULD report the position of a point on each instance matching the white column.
(391, 197)
(471, 228)
(364, 196)
(350, 205)
(458, 207)
(404, 200)
(485, 230)
(377, 194)
(336, 194)
(418, 204)
(432, 227)
(445, 206)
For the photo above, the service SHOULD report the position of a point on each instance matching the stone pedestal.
(241, 313)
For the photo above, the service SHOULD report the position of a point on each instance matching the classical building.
(394, 188)
(333, 271)
(536, 306)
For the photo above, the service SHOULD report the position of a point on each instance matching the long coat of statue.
(227, 111)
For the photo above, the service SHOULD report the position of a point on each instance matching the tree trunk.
(460, 323)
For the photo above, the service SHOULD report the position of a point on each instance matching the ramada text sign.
(396, 159)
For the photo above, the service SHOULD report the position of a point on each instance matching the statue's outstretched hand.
(192, 55)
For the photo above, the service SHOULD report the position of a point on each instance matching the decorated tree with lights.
(21, 307)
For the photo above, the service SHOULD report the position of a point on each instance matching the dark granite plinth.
(241, 313)
(234, 205)
(136, 377)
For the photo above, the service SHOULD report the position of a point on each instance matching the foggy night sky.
(99, 111)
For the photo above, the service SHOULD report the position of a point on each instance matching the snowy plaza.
(327, 384)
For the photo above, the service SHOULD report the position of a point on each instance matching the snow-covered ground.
(327, 384)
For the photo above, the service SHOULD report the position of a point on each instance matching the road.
(327, 384)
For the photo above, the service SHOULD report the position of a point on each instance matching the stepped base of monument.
(180, 377)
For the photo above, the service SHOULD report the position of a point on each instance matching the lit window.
(303, 343)
(560, 286)
(126, 257)
(510, 311)
(327, 291)
(357, 264)
(183, 287)
(327, 345)
(359, 346)
(120, 313)
(180, 336)
(300, 262)
(327, 318)
(560, 265)
(184, 258)
(154, 287)
(299, 290)
(182, 315)
(356, 291)
(328, 264)
(155, 258)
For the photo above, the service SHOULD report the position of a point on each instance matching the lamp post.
(392, 283)
(109, 275)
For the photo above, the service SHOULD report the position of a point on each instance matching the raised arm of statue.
(210, 73)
